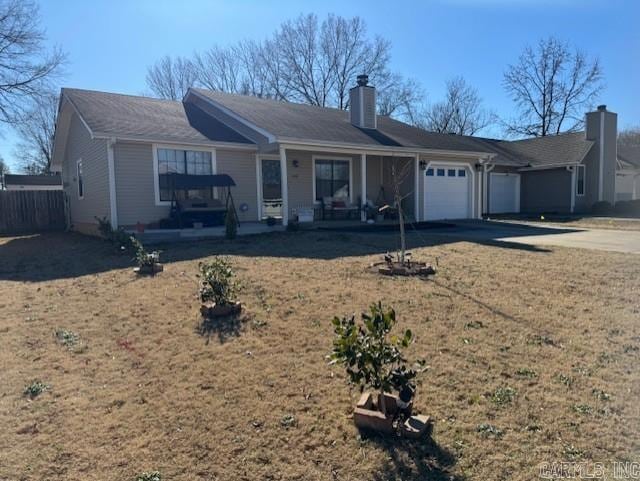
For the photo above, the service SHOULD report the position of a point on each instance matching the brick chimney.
(602, 128)
(362, 104)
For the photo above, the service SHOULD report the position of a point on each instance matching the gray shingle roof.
(16, 179)
(148, 118)
(307, 122)
(629, 154)
(167, 120)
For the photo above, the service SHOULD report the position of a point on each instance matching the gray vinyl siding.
(591, 162)
(545, 191)
(407, 182)
(93, 152)
(241, 166)
(135, 185)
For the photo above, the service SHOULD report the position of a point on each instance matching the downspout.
(572, 169)
(112, 182)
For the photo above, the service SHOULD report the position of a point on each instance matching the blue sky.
(111, 43)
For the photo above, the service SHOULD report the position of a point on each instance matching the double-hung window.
(332, 178)
(193, 162)
(580, 177)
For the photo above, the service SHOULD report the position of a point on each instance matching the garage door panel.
(504, 192)
(447, 196)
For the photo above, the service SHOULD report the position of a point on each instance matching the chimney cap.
(602, 108)
(363, 80)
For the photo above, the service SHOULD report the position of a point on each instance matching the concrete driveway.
(548, 235)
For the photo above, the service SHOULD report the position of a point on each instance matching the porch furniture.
(209, 212)
(338, 208)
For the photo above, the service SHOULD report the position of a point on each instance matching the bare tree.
(26, 68)
(552, 87)
(4, 169)
(170, 78)
(219, 69)
(353, 53)
(461, 111)
(629, 137)
(399, 97)
(34, 149)
(305, 60)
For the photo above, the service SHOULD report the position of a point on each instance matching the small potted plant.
(373, 359)
(218, 288)
(148, 262)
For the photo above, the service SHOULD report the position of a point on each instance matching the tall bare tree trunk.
(398, 201)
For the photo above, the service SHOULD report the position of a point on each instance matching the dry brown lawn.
(146, 389)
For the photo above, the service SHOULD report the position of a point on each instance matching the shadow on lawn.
(223, 327)
(414, 460)
(47, 256)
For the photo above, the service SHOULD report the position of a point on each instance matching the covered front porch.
(337, 185)
(327, 184)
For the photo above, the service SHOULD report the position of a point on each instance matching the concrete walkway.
(552, 235)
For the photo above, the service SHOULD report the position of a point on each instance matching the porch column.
(284, 186)
(416, 188)
(363, 188)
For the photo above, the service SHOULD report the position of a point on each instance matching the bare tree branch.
(461, 111)
(170, 78)
(26, 69)
(34, 150)
(552, 87)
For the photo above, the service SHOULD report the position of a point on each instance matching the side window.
(580, 176)
(80, 179)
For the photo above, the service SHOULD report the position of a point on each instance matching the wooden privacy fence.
(31, 211)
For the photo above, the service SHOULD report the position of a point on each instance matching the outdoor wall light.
(423, 165)
(295, 163)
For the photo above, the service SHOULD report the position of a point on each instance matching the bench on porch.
(338, 208)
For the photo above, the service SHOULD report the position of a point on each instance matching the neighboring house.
(33, 182)
(114, 152)
(628, 173)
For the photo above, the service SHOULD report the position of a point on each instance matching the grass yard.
(533, 357)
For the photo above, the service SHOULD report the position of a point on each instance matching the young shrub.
(231, 224)
(34, 389)
(371, 356)
(118, 236)
(150, 476)
(217, 282)
(144, 258)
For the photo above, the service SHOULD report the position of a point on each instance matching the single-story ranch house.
(117, 154)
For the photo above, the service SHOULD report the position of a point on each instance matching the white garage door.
(447, 192)
(504, 193)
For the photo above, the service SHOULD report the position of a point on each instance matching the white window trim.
(584, 179)
(259, 159)
(315, 158)
(78, 164)
(156, 179)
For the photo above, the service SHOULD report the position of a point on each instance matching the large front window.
(193, 162)
(332, 179)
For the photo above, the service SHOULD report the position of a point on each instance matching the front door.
(271, 188)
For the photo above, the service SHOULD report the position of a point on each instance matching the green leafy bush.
(503, 395)
(118, 236)
(372, 357)
(150, 476)
(35, 388)
(144, 258)
(217, 282)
